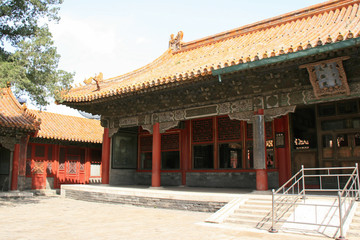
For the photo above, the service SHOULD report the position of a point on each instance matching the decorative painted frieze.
(198, 112)
(167, 125)
(112, 131)
(242, 116)
(272, 101)
(242, 105)
(272, 113)
(8, 142)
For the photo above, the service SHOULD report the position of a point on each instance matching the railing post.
(272, 229)
(303, 180)
(358, 184)
(340, 219)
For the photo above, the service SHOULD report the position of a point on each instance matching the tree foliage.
(28, 58)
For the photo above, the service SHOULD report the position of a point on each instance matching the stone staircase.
(354, 229)
(255, 212)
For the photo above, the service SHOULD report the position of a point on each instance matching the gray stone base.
(194, 179)
(23, 183)
(152, 202)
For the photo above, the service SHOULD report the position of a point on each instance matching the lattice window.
(62, 166)
(72, 168)
(202, 130)
(228, 129)
(170, 142)
(38, 167)
(82, 166)
(146, 143)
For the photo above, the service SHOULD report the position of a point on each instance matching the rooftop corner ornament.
(98, 78)
(175, 43)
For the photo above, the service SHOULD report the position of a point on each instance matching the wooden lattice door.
(71, 166)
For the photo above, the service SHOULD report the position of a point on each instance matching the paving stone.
(46, 217)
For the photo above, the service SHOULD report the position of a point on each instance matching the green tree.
(28, 58)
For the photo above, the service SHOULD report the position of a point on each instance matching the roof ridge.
(134, 72)
(267, 23)
(35, 111)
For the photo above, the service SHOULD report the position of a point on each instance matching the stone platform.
(181, 198)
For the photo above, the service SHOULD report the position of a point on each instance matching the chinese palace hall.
(243, 108)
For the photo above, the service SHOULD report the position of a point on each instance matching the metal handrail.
(293, 194)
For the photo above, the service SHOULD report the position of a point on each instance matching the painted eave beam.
(289, 56)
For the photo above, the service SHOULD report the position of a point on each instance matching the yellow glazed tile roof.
(13, 115)
(324, 23)
(69, 128)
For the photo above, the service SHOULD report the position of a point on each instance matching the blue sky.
(118, 36)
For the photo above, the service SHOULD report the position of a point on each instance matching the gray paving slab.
(44, 217)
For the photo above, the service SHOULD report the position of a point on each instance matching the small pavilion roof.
(69, 128)
(14, 116)
(326, 23)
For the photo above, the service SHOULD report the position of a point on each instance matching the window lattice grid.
(228, 129)
(146, 143)
(169, 142)
(202, 130)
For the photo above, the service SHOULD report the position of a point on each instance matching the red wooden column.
(15, 167)
(105, 157)
(185, 152)
(260, 151)
(56, 157)
(283, 152)
(22, 162)
(156, 156)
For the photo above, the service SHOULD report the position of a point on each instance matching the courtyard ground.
(44, 217)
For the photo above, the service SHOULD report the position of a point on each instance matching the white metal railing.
(339, 183)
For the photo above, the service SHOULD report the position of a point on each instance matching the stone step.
(354, 228)
(257, 207)
(249, 223)
(44, 192)
(356, 219)
(249, 216)
(16, 194)
(353, 234)
(252, 211)
(259, 202)
(354, 225)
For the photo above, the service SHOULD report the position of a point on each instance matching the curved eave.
(74, 139)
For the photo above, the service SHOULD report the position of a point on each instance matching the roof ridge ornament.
(175, 43)
(98, 78)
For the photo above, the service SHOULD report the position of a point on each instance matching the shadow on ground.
(17, 201)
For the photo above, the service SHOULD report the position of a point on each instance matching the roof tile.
(15, 116)
(292, 32)
(69, 128)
